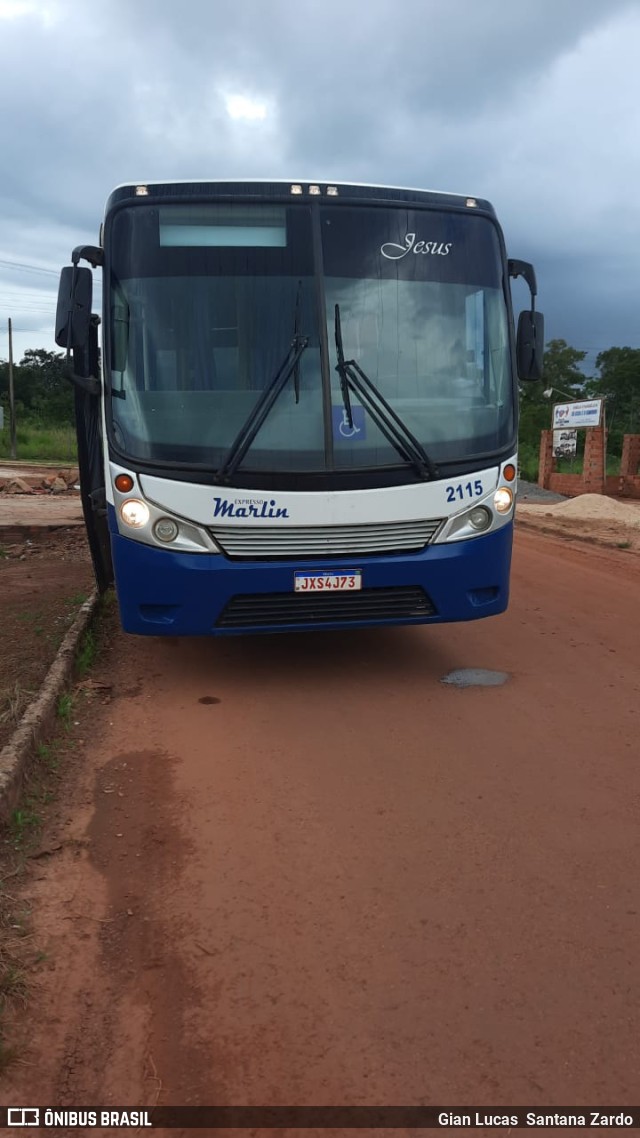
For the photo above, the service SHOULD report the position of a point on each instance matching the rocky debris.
(57, 486)
(16, 486)
(60, 481)
(57, 482)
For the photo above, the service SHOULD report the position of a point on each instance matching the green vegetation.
(48, 758)
(13, 701)
(36, 442)
(25, 824)
(15, 960)
(77, 599)
(65, 708)
(13, 988)
(44, 409)
(86, 653)
(28, 829)
(618, 381)
(42, 392)
(45, 415)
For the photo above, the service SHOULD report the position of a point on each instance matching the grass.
(528, 456)
(14, 937)
(77, 599)
(86, 653)
(37, 442)
(18, 954)
(13, 702)
(25, 824)
(65, 709)
(528, 461)
(47, 754)
(623, 545)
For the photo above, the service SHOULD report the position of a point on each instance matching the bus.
(301, 410)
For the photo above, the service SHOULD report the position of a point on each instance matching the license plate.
(329, 582)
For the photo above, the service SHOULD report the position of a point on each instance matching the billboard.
(565, 444)
(583, 413)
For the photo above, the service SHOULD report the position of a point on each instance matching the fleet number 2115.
(468, 490)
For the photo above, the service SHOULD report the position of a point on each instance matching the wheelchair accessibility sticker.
(341, 429)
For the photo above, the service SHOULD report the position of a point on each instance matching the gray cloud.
(532, 106)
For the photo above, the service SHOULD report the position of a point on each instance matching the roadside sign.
(582, 413)
(565, 444)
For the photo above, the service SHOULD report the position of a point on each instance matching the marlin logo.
(249, 508)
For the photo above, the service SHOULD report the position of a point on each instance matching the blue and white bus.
(305, 411)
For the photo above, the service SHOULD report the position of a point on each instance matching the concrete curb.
(38, 717)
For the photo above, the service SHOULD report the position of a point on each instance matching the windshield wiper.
(395, 430)
(262, 409)
(296, 339)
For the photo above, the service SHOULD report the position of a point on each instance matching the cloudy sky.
(534, 105)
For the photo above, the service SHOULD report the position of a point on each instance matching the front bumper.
(183, 594)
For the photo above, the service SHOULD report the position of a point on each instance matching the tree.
(42, 392)
(619, 382)
(560, 370)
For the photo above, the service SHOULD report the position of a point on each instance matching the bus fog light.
(503, 500)
(134, 513)
(165, 529)
(480, 518)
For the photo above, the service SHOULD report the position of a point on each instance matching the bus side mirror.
(530, 345)
(73, 314)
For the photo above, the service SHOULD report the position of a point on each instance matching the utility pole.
(12, 402)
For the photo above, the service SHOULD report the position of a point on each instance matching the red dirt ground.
(300, 869)
(43, 580)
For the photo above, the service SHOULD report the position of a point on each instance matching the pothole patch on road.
(475, 677)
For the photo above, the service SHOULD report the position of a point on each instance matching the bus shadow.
(392, 653)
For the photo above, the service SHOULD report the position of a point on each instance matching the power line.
(10, 288)
(23, 267)
(12, 298)
(13, 302)
(17, 306)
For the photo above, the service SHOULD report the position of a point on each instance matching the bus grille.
(258, 543)
(261, 610)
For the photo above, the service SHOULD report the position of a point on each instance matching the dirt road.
(302, 870)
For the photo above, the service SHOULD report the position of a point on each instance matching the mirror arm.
(90, 253)
(525, 269)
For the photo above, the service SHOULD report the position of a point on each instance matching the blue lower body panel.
(185, 594)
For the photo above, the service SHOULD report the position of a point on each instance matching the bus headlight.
(165, 529)
(503, 500)
(134, 513)
(480, 518)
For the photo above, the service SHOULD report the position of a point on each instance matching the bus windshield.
(206, 300)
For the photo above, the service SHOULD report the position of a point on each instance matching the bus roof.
(275, 187)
